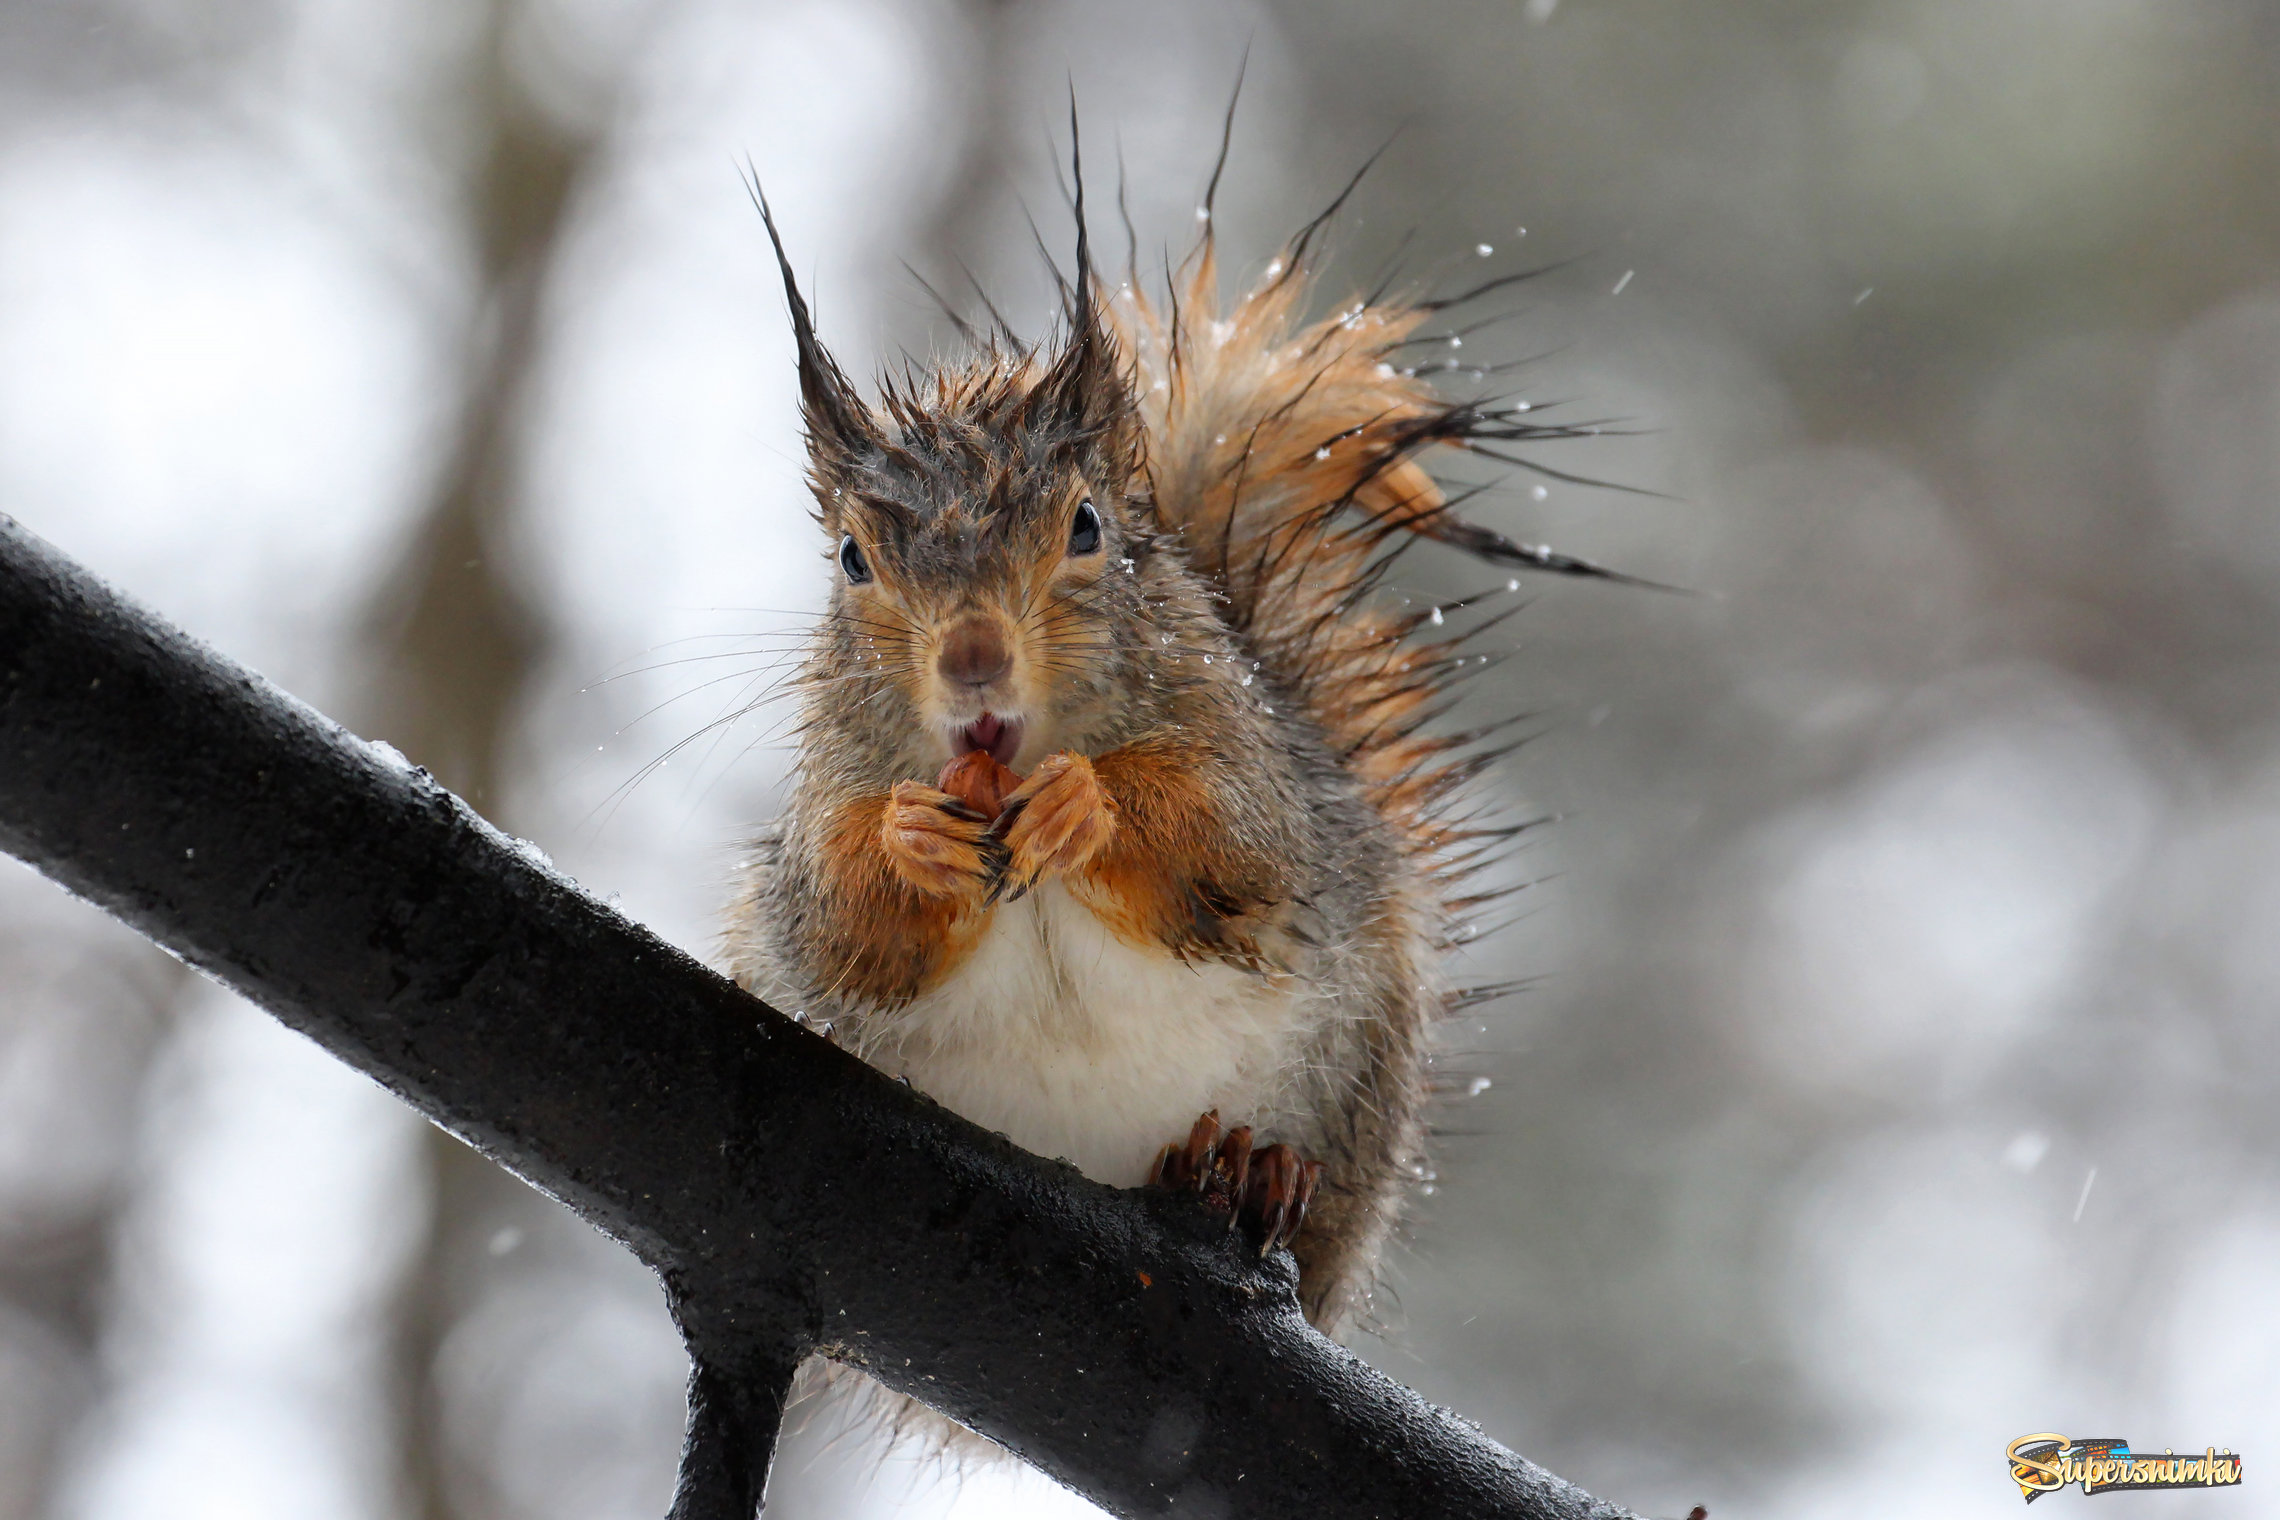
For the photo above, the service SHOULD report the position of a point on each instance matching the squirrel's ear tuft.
(837, 421)
(1084, 387)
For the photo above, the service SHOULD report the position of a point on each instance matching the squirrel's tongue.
(992, 734)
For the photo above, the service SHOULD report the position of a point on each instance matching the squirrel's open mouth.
(999, 737)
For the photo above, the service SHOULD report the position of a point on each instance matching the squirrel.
(1123, 820)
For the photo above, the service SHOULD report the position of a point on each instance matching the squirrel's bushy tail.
(1285, 454)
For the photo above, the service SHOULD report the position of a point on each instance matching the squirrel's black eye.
(852, 561)
(1084, 529)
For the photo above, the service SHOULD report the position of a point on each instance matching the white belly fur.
(1075, 1044)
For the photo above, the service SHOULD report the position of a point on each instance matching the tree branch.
(792, 1198)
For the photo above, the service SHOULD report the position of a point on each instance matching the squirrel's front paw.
(939, 844)
(1056, 821)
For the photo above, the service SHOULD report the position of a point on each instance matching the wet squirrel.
(1121, 798)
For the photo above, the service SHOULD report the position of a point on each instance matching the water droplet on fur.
(1207, 659)
(1428, 1190)
(1203, 213)
(1322, 452)
(1519, 232)
(1540, 492)
(1512, 584)
(1455, 341)
(1247, 678)
(1274, 267)
(1167, 639)
(1483, 249)
(1161, 385)
(1222, 438)
(1385, 372)
(1438, 620)
(1522, 406)
(1477, 1086)
(1269, 711)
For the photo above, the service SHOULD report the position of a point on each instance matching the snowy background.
(1898, 1072)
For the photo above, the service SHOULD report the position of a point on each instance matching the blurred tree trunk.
(58, 1245)
(457, 644)
(970, 217)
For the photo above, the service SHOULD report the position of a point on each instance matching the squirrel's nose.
(974, 652)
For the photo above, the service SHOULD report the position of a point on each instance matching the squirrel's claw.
(1289, 1190)
(1001, 876)
(1264, 1190)
(1182, 1166)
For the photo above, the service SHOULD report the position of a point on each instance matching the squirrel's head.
(989, 535)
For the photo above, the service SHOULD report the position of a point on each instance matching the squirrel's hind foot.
(1264, 1189)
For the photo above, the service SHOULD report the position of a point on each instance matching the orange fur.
(906, 881)
(1282, 451)
(1170, 877)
